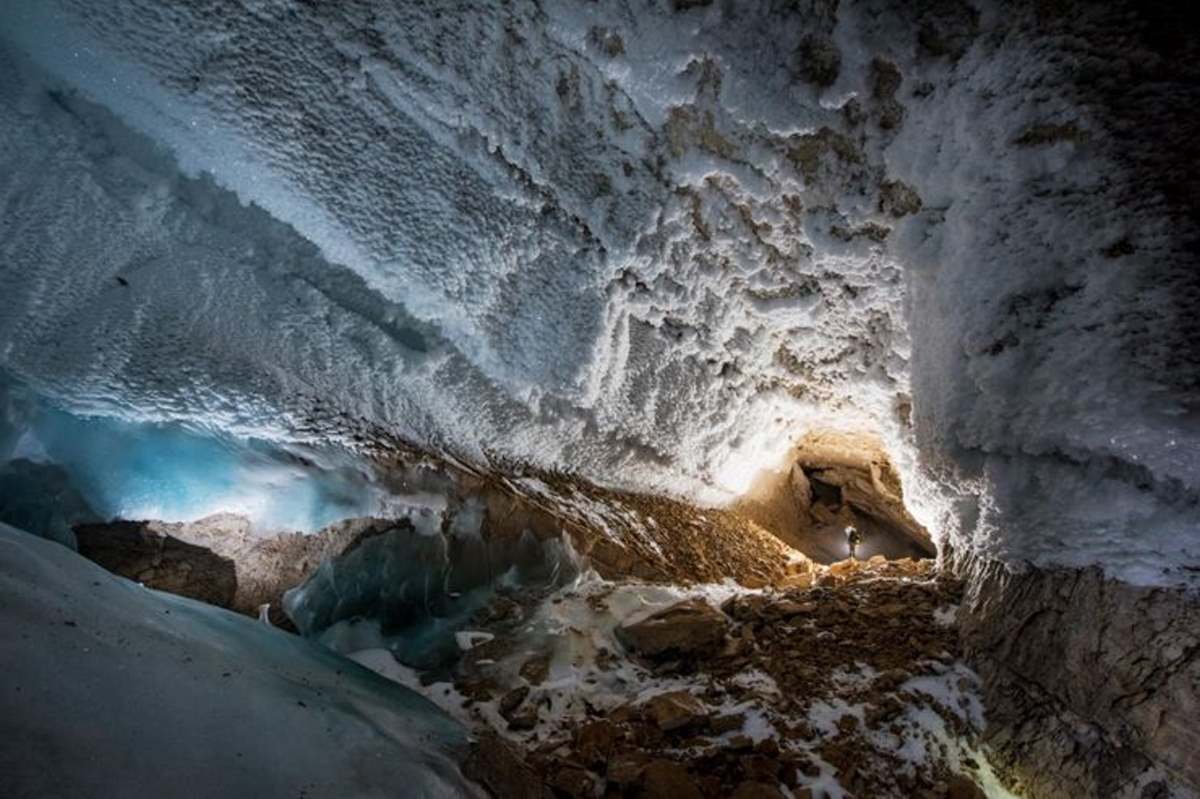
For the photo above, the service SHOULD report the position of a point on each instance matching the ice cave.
(565, 399)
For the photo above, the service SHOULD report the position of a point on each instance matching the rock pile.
(771, 694)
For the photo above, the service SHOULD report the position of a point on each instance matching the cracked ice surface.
(645, 244)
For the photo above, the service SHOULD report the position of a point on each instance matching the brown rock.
(675, 710)
(594, 742)
(524, 719)
(844, 568)
(727, 723)
(160, 561)
(787, 608)
(512, 700)
(767, 746)
(665, 779)
(479, 689)
(573, 782)
(496, 766)
(756, 790)
(536, 669)
(753, 581)
(688, 628)
(961, 787)
(744, 608)
(626, 767)
(761, 768)
(797, 581)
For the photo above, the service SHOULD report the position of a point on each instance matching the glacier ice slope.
(111, 689)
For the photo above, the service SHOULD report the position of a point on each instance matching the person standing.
(853, 539)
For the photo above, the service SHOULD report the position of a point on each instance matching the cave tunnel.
(684, 398)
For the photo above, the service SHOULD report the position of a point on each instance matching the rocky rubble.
(853, 682)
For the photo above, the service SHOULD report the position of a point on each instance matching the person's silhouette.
(853, 539)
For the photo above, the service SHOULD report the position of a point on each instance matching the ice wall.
(1053, 287)
(411, 592)
(59, 468)
(647, 242)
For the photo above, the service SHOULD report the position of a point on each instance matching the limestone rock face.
(692, 627)
(1092, 685)
(159, 561)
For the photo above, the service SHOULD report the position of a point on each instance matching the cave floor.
(849, 686)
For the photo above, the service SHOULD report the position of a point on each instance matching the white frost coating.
(1053, 301)
(163, 696)
(572, 315)
(641, 244)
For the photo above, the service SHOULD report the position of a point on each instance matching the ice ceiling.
(648, 242)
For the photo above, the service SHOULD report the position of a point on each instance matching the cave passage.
(682, 398)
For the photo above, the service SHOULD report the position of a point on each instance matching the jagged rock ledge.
(1092, 685)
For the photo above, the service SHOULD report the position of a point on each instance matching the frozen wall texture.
(649, 242)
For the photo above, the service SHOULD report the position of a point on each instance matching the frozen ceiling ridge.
(652, 245)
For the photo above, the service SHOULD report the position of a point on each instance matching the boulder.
(594, 742)
(496, 766)
(689, 628)
(573, 782)
(625, 767)
(727, 723)
(666, 779)
(675, 710)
